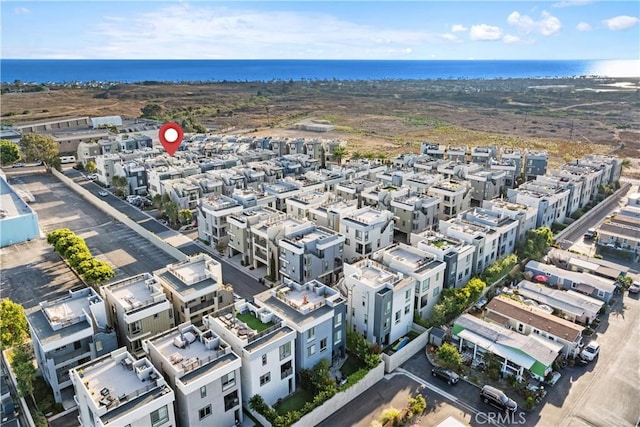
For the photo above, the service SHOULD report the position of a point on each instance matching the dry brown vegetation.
(566, 117)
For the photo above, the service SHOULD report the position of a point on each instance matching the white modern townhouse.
(482, 237)
(428, 272)
(240, 229)
(379, 301)
(68, 332)
(120, 390)
(455, 197)
(525, 215)
(318, 315)
(457, 255)
(366, 230)
(266, 346)
(204, 373)
(415, 213)
(212, 218)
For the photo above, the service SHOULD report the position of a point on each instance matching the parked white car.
(591, 351)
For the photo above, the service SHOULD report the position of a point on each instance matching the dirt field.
(567, 117)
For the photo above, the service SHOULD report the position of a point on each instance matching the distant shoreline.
(68, 71)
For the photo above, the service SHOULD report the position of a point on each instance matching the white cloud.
(508, 39)
(583, 26)
(621, 22)
(21, 11)
(485, 32)
(547, 24)
(209, 31)
(570, 3)
(450, 37)
(458, 28)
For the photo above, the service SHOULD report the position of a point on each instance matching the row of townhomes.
(366, 245)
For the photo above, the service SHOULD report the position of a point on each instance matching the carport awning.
(499, 350)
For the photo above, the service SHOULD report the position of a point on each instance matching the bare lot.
(568, 117)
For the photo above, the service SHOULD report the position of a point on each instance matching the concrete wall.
(119, 216)
(396, 359)
(339, 400)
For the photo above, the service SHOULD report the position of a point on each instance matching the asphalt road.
(244, 284)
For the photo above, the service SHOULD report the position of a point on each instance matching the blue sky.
(562, 29)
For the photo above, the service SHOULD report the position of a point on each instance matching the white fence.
(392, 361)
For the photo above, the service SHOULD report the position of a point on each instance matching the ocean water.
(127, 71)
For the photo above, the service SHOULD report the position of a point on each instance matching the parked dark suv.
(497, 398)
(449, 376)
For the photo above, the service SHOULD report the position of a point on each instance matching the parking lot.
(32, 272)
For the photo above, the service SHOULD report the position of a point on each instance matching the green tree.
(53, 236)
(449, 356)
(9, 152)
(95, 271)
(626, 163)
(121, 184)
(339, 153)
(13, 324)
(91, 167)
(157, 201)
(536, 243)
(172, 210)
(25, 371)
(40, 147)
(417, 405)
(185, 216)
(152, 110)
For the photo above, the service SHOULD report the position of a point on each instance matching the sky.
(561, 29)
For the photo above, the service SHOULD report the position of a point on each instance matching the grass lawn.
(351, 365)
(413, 335)
(294, 402)
(253, 322)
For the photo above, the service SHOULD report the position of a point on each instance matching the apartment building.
(380, 301)
(265, 241)
(532, 320)
(455, 197)
(194, 287)
(330, 177)
(118, 390)
(212, 218)
(535, 163)
(301, 205)
(394, 177)
(505, 227)
(487, 184)
(68, 332)
(316, 312)
(366, 230)
(239, 229)
(329, 213)
(513, 155)
(610, 165)
(590, 177)
(266, 346)
(434, 150)
(204, 373)
(525, 215)
(248, 198)
(136, 175)
(428, 272)
(458, 256)
(108, 166)
(183, 191)
(484, 155)
(381, 197)
(156, 176)
(138, 309)
(550, 202)
(353, 190)
(420, 182)
(415, 213)
(508, 167)
(311, 253)
(482, 237)
(457, 153)
(282, 190)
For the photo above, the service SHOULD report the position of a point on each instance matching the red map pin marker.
(171, 135)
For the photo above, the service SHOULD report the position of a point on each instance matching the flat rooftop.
(374, 274)
(410, 258)
(136, 292)
(188, 276)
(11, 205)
(116, 381)
(187, 350)
(365, 216)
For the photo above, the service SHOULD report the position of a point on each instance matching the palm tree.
(339, 153)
